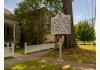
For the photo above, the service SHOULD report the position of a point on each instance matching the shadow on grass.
(8, 58)
(76, 54)
(32, 65)
(37, 65)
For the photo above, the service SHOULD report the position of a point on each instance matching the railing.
(34, 48)
(9, 51)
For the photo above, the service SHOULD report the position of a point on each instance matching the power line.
(92, 9)
(93, 18)
(95, 9)
(93, 21)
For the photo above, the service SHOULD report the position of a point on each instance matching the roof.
(9, 15)
(6, 11)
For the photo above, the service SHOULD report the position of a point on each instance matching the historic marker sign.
(60, 24)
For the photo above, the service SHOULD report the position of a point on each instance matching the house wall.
(49, 38)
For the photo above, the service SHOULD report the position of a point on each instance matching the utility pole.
(92, 12)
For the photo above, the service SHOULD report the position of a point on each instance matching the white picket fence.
(34, 48)
(9, 51)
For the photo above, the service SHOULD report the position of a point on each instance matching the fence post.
(7, 44)
(12, 45)
(25, 48)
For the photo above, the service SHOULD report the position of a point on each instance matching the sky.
(82, 9)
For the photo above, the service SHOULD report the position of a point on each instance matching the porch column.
(14, 39)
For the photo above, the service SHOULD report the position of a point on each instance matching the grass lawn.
(88, 47)
(36, 65)
(83, 54)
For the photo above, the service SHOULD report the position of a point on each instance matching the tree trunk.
(69, 40)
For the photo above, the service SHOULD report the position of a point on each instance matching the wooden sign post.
(60, 24)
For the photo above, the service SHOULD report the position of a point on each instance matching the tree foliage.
(84, 31)
(34, 16)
